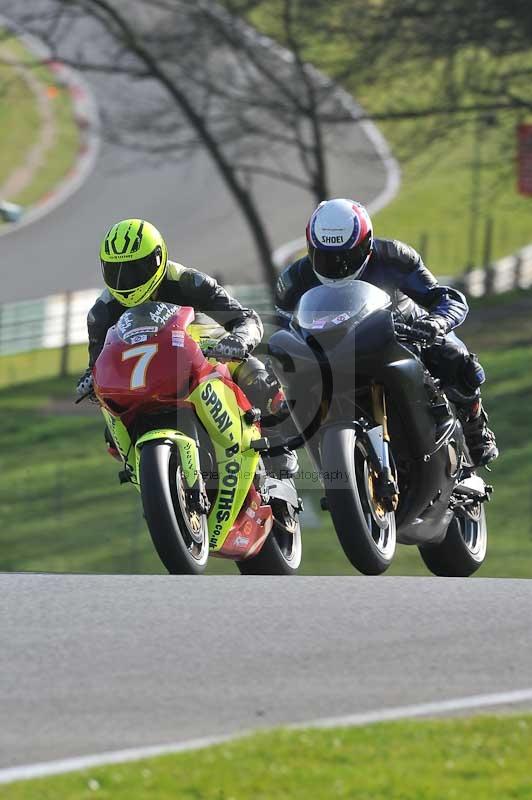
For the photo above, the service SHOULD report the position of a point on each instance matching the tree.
(258, 106)
(215, 83)
(484, 44)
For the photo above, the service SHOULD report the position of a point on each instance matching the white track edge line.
(61, 766)
(422, 709)
(44, 769)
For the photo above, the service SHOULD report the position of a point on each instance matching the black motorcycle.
(380, 430)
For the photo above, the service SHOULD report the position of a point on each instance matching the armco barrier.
(53, 321)
(61, 319)
(511, 272)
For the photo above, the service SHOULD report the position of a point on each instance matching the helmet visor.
(123, 276)
(341, 264)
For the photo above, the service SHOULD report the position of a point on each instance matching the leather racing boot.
(479, 438)
(265, 393)
(285, 463)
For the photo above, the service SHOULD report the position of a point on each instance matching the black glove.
(230, 348)
(429, 328)
(85, 387)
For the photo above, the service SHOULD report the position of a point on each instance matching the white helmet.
(339, 241)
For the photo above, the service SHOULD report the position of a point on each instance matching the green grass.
(436, 156)
(435, 197)
(482, 758)
(20, 119)
(21, 122)
(62, 509)
(37, 364)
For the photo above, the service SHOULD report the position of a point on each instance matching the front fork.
(377, 443)
(130, 453)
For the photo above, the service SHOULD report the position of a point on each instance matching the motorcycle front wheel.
(367, 532)
(179, 532)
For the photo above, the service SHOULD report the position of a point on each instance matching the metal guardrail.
(60, 320)
(54, 321)
(505, 275)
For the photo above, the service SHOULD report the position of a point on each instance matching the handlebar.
(408, 334)
(207, 349)
(83, 397)
(88, 396)
(208, 354)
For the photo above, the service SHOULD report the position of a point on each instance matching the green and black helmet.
(134, 260)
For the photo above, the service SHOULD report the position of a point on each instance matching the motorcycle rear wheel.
(367, 533)
(462, 551)
(281, 552)
(179, 533)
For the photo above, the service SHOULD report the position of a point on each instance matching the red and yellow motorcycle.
(191, 443)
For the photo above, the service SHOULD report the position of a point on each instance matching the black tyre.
(180, 534)
(462, 551)
(281, 552)
(366, 531)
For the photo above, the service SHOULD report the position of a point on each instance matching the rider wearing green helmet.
(136, 269)
(134, 261)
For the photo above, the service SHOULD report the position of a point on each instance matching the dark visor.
(338, 264)
(126, 275)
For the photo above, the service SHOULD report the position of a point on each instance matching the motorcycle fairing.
(238, 522)
(122, 440)
(218, 408)
(324, 357)
(187, 448)
(188, 452)
(250, 530)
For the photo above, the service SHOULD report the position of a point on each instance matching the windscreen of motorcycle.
(326, 307)
(139, 323)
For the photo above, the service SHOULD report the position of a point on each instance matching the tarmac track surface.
(91, 664)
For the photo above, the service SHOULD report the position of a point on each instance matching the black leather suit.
(399, 270)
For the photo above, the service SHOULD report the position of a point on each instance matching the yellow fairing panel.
(217, 408)
(122, 439)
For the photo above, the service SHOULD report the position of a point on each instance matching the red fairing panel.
(250, 530)
(152, 368)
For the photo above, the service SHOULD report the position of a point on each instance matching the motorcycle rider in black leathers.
(341, 248)
(136, 269)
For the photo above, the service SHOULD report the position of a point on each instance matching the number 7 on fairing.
(144, 353)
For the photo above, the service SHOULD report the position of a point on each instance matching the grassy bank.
(37, 365)
(21, 123)
(433, 210)
(484, 758)
(62, 509)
